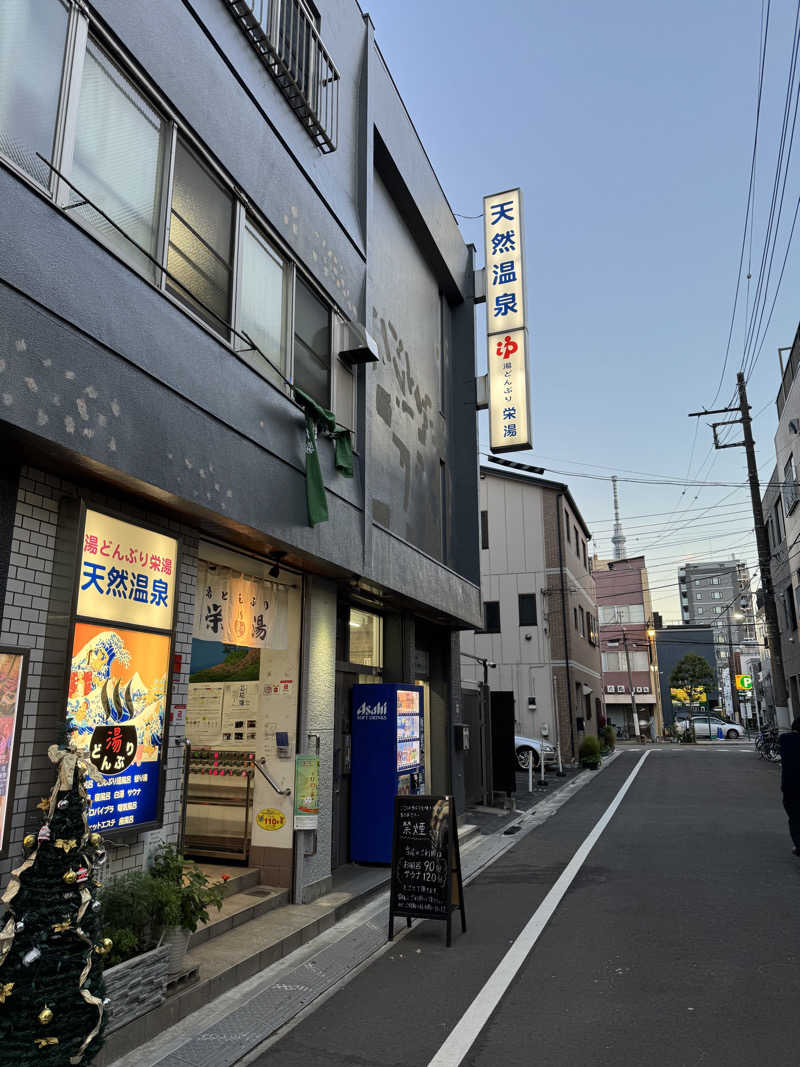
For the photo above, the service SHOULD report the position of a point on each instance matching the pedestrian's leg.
(791, 804)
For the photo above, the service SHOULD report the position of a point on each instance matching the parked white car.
(719, 727)
(529, 746)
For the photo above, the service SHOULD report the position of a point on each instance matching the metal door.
(342, 755)
(471, 715)
(504, 758)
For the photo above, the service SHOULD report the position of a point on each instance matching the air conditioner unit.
(641, 689)
(611, 689)
(620, 688)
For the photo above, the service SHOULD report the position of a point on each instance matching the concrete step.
(220, 963)
(240, 879)
(238, 908)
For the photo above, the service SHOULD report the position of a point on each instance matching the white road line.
(466, 1030)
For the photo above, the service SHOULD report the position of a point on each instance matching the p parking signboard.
(744, 682)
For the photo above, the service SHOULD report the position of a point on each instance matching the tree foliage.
(694, 675)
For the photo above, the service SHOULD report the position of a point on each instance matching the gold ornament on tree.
(29, 841)
(95, 840)
(5, 991)
(45, 1016)
(70, 877)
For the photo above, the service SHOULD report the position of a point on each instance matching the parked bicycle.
(767, 745)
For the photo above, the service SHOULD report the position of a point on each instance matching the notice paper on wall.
(204, 713)
(240, 715)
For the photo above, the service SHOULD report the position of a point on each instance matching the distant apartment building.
(540, 613)
(629, 659)
(782, 518)
(719, 594)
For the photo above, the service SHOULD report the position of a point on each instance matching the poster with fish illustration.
(116, 709)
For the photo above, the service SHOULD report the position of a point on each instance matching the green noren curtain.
(320, 420)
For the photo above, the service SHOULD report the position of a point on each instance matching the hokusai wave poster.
(116, 709)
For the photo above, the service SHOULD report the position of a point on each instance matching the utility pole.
(737, 711)
(762, 542)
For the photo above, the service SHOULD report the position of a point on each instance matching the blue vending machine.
(388, 758)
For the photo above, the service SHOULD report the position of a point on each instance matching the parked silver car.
(719, 727)
(529, 746)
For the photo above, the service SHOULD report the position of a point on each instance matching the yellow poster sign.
(270, 819)
(127, 573)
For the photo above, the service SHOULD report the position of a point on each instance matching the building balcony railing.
(789, 373)
(285, 37)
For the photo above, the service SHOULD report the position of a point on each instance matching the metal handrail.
(261, 765)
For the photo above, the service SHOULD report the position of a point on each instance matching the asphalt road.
(677, 943)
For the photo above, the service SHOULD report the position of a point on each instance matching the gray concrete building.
(233, 296)
(719, 594)
(540, 612)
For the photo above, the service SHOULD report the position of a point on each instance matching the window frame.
(486, 628)
(526, 601)
(484, 524)
(81, 25)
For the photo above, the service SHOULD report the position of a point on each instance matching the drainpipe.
(559, 509)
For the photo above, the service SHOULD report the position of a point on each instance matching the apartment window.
(566, 524)
(780, 528)
(698, 596)
(32, 45)
(575, 613)
(788, 605)
(484, 529)
(789, 486)
(491, 617)
(200, 240)
(312, 344)
(577, 544)
(582, 618)
(118, 163)
(527, 609)
(771, 533)
(715, 581)
(700, 611)
(583, 547)
(618, 613)
(261, 299)
(716, 596)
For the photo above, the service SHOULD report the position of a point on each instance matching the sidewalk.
(321, 954)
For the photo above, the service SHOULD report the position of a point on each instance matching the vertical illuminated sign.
(506, 328)
(120, 667)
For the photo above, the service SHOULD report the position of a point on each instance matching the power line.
(763, 36)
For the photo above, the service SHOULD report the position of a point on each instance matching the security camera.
(491, 664)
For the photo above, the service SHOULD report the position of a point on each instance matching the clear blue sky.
(629, 126)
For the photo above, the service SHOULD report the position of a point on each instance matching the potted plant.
(184, 896)
(136, 968)
(589, 753)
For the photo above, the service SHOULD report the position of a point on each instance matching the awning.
(625, 698)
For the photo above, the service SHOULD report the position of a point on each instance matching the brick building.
(629, 660)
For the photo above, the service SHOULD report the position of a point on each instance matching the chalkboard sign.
(426, 864)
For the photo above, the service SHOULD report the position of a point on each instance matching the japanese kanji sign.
(509, 400)
(127, 573)
(237, 610)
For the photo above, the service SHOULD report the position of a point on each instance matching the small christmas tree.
(51, 952)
